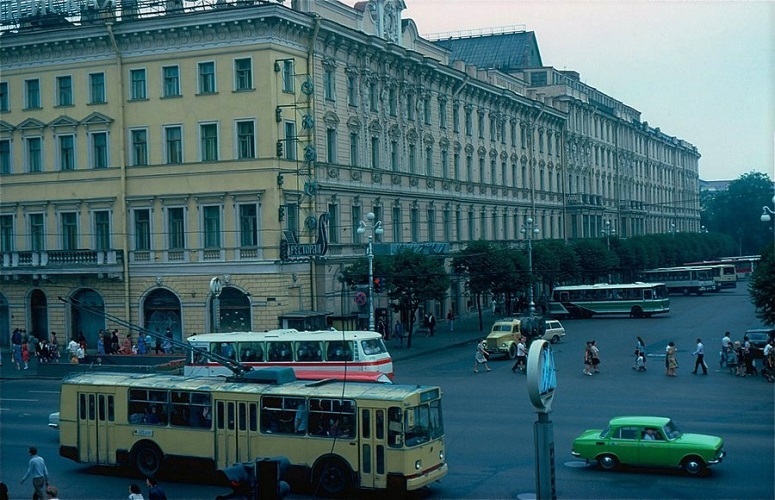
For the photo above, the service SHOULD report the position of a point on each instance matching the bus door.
(373, 447)
(96, 427)
(247, 431)
(226, 450)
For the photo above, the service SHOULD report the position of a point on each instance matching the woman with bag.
(481, 356)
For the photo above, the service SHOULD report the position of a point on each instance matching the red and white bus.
(337, 352)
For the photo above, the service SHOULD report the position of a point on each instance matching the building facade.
(146, 149)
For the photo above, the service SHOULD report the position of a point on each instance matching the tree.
(414, 278)
(762, 286)
(478, 262)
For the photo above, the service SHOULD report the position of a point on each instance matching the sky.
(702, 71)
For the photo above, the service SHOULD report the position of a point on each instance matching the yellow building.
(147, 148)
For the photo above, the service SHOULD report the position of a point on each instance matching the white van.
(554, 331)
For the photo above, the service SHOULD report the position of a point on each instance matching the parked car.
(650, 442)
(53, 420)
(554, 331)
(504, 335)
(758, 337)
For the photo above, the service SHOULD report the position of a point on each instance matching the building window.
(352, 90)
(471, 225)
(34, 154)
(333, 223)
(513, 130)
(447, 224)
(455, 118)
(443, 114)
(329, 91)
(394, 156)
(292, 219)
(410, 106)
(97, 88)
(290, 140)
(356, 223)
(6, 233)
(522, 137)
(289, 76)
(469, 168)
(142, 229)
(426, 109)
(413, 158)
(429, 162)
(458, 224)
(469, 122)
(212, 226)
(414, 224)
(139, 147)
(354, 149)
(248, 225)
(102, 230)
(373, 97)
(137, 82)
(176, 228)
(431, 224)
(481, 169)
(445, 164)
(4, 99)
(492, 127)
(480, 124)
(375, 153)
(246, 139)
(397, 228)
(66, 152)
(392, 101)
(5, 156)
(456, 166)
(208, 136)
(37, 233)
(99, 149)
(64, 91)
(207, 77)
(331, 155)
(171, 75)
(69, 230)
(493, 171)
(173, 145)
(243, 74)
(32, 93)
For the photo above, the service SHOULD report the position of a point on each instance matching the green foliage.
(554, 262)
(761, 287)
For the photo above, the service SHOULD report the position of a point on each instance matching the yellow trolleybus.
(337, 435)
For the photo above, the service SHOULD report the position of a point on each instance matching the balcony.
(101, 263)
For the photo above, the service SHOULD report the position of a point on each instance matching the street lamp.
(608, 231)
(374, 227)
(528, 229)
(672, 228)
(767, 214)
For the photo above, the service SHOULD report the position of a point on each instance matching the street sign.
(360, 298)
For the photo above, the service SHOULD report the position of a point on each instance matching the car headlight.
(441, 455)
(418, 465)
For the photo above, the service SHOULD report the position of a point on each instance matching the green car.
(650, 442)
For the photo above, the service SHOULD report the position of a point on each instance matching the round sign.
(541, 375)
(216, 286)
(360, 298)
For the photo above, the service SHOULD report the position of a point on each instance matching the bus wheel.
(147, 458)
(636, 312)
(686, 291)
(332, 477)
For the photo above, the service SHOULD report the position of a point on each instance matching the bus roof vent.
(272, 375)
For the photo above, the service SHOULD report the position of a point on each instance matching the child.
(26, 355)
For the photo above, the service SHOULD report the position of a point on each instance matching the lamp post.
(672, 228)
(528, 229)
(767, 214)
(608, 231)
(374, 227)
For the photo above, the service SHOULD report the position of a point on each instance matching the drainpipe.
(122, 165)
(311, 72)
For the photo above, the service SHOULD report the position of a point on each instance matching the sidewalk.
(466, 331)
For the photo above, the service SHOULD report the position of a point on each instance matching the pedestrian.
(3, 491)
(671, 363)
(726, 342)
(699, 351)
(101, 345)
(53, 347)
(141, 344)
(154, 490)
(451, 320)
(52, 492)
(26, 355)
(595, 354)
(135, 493)
(640, 354)
(398, 332)
(72, 350)
(739, 359)
(38, 472)
(588, 359)
(481, 356)
(81, 354)
(521, 362)
(16, 346)
(114, 342)
(432, 324)
(157, 346)
(750, 367)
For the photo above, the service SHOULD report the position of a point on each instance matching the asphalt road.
(489, 419)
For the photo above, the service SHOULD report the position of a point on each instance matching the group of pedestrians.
(25, 347)
(591, 358)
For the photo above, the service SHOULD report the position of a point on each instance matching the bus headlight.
(418, 465)
(441, 455)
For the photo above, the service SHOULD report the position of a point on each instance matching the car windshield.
(604, 432)
(671, 430)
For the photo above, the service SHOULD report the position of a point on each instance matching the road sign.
(360, 298)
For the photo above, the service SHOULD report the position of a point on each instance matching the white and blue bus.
(638, 300)
(684, 279)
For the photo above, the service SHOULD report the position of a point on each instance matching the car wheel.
(512, 351)
(607, 462)
(693, 465)
(555, 339)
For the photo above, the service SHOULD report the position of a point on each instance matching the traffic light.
(279, 149)
(377, 285)
(241, 478)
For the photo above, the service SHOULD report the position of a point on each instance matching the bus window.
(251, 351)
(278, 414)
(395, 427)
(199, 357)
(339, 350)
(279, 351)
(308, 351)
(373, 346)
(227, 350)
(148, 407)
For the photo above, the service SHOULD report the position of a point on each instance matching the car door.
(624, 444)
(655, 451)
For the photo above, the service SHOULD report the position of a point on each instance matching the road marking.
(20, 400)
(43, 392)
